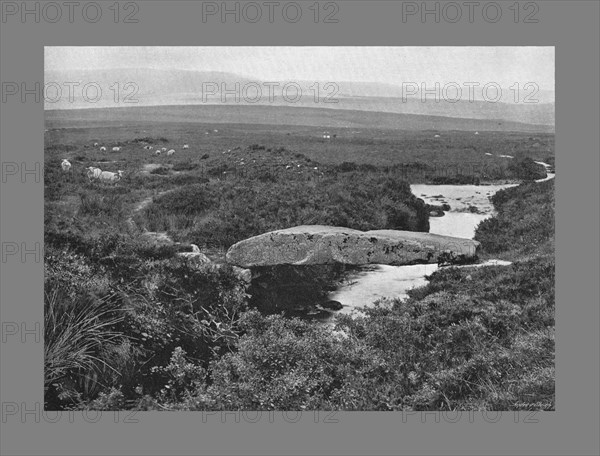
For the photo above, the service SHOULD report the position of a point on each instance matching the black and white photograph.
(333, 228)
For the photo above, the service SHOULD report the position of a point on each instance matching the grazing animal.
(95, 144)
(164, 149)
(171, 152)
(116, 149)
(148, 147)
(157, 152)
(107, 176)
(65, 165)
(103, 148)
(436, 136)
(185, 146)
(93, 172)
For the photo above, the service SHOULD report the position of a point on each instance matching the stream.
(373, 282)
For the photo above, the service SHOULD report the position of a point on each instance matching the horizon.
(396, 85)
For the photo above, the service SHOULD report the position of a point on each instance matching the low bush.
(161, 170)
(224, 212)
(525, 219)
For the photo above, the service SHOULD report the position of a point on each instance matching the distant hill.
(276, 115)
(160, 87)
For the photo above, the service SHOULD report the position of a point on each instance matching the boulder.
(195, 255)
(332, 305)
(316, 244)
(243, 274)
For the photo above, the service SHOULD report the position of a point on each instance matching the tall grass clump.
(75, 332)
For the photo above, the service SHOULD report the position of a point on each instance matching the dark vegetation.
(456, 180)
(526, 169)
(130, 325)
(525, 220)
(162, 170)
(223, 212)
(294, 290)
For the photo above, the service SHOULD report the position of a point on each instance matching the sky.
(395, 65)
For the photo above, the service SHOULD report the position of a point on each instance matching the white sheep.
(96, 144)
(65, 165)
(186, 146)
(116, 149)
(103, 149)
(148, 147)
(93, 172)
(164, 149)
(171, 152)
(107, 176)
(157, 152)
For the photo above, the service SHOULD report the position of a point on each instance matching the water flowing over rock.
(316, 244)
